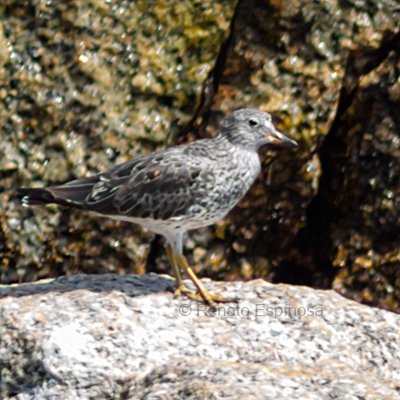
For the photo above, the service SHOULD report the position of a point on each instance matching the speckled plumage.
(181, 188)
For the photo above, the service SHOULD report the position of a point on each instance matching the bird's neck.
(234, 141)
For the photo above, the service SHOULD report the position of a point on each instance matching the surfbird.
(177, 189)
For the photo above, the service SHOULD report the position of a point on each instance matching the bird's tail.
(34, 197)
(71, 194)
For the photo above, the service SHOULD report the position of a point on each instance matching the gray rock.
(110, 336)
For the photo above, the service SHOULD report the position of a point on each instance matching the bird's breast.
(234, 175)
(241, 170)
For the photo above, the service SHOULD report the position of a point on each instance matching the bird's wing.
(167, 186)
(160, 186)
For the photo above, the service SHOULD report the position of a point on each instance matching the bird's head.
(251, 128)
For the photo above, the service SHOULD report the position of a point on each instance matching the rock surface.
(85, 85)
(126, 337)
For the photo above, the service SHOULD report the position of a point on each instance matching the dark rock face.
(85, 85)
(327, 216)
(109, 336)
(353, 222)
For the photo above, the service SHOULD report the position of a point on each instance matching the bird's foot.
(182, 290)
(204, 296)
(178, 262)
(211, 298)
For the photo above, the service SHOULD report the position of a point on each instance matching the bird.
(177, 189)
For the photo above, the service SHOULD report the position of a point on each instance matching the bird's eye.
(253, 122)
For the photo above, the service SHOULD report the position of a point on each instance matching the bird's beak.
(277, 139)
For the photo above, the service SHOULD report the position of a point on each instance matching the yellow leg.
(181, 289)
(202, 295)
(175, 269)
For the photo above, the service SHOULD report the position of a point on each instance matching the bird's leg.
(202, 295)
(179, 261)
(175, 269)
(181, 289)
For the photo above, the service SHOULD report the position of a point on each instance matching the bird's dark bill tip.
(283, 142)
(290, 143)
